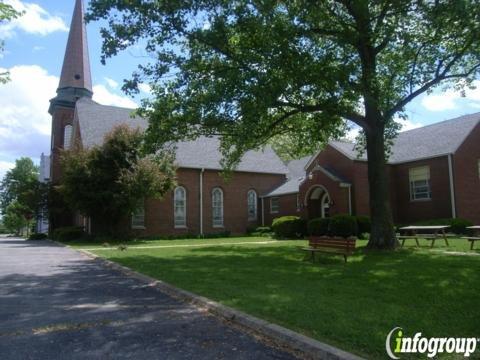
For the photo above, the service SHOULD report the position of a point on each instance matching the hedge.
(289, 227)
(364, 225)
(68, 233)
(343, 226)
(457, 226)
(37, 236)
(318, 226)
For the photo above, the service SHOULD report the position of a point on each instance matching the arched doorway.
(318, 202)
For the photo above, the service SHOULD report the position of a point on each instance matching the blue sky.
(35, 46)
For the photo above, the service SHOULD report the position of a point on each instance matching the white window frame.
(217, 204)
(138, 218)
(419, 178)
(67, 137)
(252, 206)
(180, 223)
(274, 208)
(299, 205)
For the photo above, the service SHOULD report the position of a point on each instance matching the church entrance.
(318, 203)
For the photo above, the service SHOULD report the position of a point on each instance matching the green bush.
(343, 226)
(37, 236)
(457, 226)
(318, 226)
(364, 225)
(289, 227)
(68, 233)
(263, 230)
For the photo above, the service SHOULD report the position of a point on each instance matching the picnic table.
(472, 239)
(435, 232)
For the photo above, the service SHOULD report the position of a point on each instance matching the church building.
(434, 171)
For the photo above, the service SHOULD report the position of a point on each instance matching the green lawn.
(351, 306)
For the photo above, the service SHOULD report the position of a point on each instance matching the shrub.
(364, 225)
(318, 227)
(68, 233)
(263, 230)
(289, 227)
(457, 226)
(37, 236)
(343, 226)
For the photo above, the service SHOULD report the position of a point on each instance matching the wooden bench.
(472, 240)
(330, 245)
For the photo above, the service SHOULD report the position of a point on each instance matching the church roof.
(430, 141)
(95, 121)
(296, 175)
(76, 64)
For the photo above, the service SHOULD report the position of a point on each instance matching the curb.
(300, 345)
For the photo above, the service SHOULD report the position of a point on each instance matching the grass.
(82, 244)
(350, 306)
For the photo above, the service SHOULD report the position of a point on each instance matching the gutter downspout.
(201, 201)
(263, 212)
(452, 187)
(350, 200)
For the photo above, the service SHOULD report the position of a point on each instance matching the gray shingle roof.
(96, 120)
(295, 177)
(430, 141)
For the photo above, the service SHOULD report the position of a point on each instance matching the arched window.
(325, 206)
(217, 207)
(180, 207)
(252, 205)
(67, 137)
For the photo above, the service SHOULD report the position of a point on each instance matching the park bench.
(472, 239)
(330, 245)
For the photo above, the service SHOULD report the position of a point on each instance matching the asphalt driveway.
(57, 304)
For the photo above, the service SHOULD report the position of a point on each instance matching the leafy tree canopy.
(14, 219)
(21, 184)
(110, 181)
(253, 70)
(7, 13)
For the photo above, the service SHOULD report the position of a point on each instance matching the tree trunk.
(383, 233)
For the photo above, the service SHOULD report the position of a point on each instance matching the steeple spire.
(76, 78)
(76, 65)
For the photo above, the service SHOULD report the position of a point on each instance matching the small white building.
(43, 177)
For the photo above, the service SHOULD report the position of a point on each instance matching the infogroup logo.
(398, 344)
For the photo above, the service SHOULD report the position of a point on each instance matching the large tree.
(21, 185)
(111, 181)
(7, 13)
(250, 70)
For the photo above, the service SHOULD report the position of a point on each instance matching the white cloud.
(38, 48)
(147, 89)
(440, 102)
(408, 124)
(25, 123)
(448, 100)
(103, 96)
(35, 20)
(4, 167)
(24, 120)
(354, 130)
(112, 83)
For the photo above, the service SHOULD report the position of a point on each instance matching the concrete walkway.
(57, 304)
